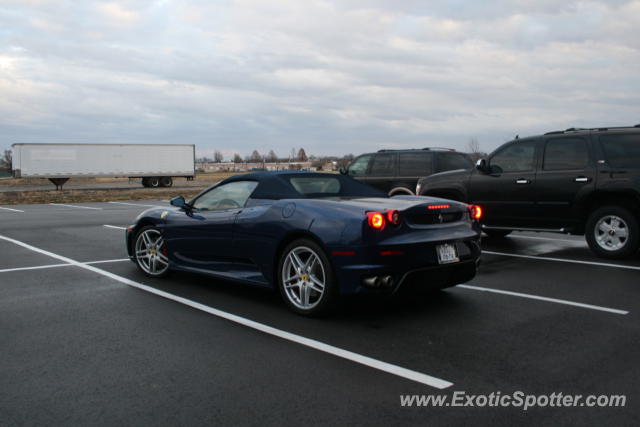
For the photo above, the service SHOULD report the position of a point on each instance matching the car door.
(201, 237)
(359, 167)
(506, 189)
(413, 165)
(620, 163)
(567, 175)
(383, 171)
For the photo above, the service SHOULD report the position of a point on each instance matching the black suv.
(578, 181)
(397, 171)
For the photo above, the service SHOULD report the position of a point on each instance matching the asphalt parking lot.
(87, 339)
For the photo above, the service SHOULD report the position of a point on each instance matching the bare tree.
(473, 148)
(255, 156)
(302, 155)
(292, 155)
(237, 158)
(217, 156)
(272, 157)
(6, 161)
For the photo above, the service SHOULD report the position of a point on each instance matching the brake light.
(475, 211)
(432, 207)
(376, 220)
(393, 216)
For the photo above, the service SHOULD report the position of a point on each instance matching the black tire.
(145, 182)
(325, 302)
(153, 181)
(497, 233)
(597, 238)
(145, 264)
(166, 181)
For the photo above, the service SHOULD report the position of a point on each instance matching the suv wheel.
(612, 232)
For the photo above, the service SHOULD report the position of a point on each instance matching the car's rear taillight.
(393, 216)
(475, 212)
(376, 220)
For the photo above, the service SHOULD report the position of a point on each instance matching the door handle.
(582, 179)
(523, 181)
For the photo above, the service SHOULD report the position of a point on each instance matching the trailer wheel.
(153, 181)
(145, 182)
(166, 181)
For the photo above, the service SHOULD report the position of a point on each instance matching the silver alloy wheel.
(150, 254)
(303, 277)
(611, 233)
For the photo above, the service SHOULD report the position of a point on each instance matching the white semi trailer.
(156, 164)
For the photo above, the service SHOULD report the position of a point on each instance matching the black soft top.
(277, 185)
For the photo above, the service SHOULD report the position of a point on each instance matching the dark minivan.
(397, 171)
(578, 181)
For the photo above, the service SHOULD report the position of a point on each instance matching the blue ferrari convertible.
(312, 236)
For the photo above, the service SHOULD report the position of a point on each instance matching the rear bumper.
(409, 265)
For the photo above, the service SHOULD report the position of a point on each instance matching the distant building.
(249, 166)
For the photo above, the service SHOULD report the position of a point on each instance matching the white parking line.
(547, 299)
(40, 267)
(571, 261)
(10, 209)
(75, 206)
(135, 204)
(308, 342)
(548, 238)
(115, 226)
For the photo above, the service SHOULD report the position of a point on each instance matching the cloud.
(331, 76)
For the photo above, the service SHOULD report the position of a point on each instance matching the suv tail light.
(475, 212)
(376, 220)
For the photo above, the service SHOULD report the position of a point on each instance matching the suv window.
(227, 196)
(516, 157)
(360, 165)
(565, 153)
(622, 151)
(452, 161)
(383, 165)
(415, 164)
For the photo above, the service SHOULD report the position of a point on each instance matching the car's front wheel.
(150, 252)
(305, 278)
(612, 232)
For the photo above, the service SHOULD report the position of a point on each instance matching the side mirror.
(481, 165)
(343, 171)
(179, 202)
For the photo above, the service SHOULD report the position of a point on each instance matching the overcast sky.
(334, 77)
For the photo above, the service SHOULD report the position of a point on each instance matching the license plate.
(447, 253)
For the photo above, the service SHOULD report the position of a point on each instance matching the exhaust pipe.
(378, 281)
(372, 281)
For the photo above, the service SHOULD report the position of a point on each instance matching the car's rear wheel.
(150, 252)
(305, 278)
(612, 232)
(497, 233)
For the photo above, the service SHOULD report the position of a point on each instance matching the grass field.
(200, 182)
